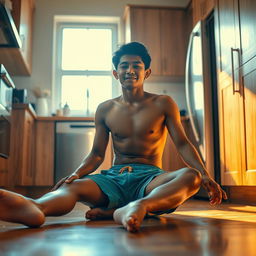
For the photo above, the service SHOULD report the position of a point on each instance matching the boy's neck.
(132, 96)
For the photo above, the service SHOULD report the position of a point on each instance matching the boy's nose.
(130, 70)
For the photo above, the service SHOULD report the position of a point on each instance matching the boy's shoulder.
(108, 103)
(106, 106)
(161, 98)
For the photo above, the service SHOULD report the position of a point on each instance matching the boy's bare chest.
(127, 122)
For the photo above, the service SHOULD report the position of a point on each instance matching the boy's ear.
(148, 72)
(115, 74)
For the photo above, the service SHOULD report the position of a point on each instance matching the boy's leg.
(166, 191)
(19, 209)
(99, 214)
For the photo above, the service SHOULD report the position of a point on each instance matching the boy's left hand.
(215, 192)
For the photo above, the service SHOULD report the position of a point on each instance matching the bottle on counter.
(59, 111)
(66, 109)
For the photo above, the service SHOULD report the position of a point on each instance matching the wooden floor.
(195, 228)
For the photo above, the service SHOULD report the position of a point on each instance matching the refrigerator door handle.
(187, 82)
(235, 70)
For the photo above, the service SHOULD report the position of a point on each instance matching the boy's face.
(131, 71)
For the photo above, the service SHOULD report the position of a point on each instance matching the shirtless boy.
(138, 123)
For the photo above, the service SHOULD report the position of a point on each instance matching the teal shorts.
(125, 187)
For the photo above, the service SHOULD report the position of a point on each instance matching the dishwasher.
(73, 143)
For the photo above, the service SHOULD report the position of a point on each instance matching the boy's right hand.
(67, 179)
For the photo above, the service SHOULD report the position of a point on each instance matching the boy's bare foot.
(99, 214)
(19, 209)
(130, 216)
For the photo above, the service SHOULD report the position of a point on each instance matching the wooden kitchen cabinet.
(44, 153)
(171, 159)
(236, 59)
(18, 61)
(228, 34)
(249, 128)
(164, 33)
(247, 10)
(22, 147)
(4, 169)
(174, 39)
(201, 9)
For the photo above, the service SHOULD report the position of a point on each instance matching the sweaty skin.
(138, 123)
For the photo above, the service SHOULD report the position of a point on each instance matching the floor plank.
(196, 228)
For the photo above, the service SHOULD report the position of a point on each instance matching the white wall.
(43, 36)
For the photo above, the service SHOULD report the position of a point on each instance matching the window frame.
(58, 72)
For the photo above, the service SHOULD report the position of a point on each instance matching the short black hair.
(133, 48)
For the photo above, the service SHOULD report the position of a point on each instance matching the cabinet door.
(27, 167)
(3, 172)
(228, 32)
(174, 42)
(247, 12)
(44, 153)
(21, 155)
(145, 28)
(171, 159)
(25, 30)
(19, 61)
(108, 160)
(206, 6)
(201, 9)
(231, 132)
(249, 84)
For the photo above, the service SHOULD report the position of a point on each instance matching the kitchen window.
(83, 66)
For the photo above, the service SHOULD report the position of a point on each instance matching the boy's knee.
(36, 220)
(194, 177)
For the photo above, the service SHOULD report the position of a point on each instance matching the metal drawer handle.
(82, 126)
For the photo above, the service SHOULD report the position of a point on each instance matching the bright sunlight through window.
(84, 69)
(86, 49)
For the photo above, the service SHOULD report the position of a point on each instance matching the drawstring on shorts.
(128, 168)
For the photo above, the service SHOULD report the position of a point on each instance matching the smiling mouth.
(131, 78)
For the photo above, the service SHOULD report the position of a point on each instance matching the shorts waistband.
(146, 166)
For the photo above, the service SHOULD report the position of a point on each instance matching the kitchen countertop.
(61, 118)
(50, 118)
(64, 118)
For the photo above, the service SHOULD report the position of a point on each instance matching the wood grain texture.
(44, 153)
(196, 228)
(237, 108)
(247, 9)
(163, 31)
(201, 9)
(4, 169)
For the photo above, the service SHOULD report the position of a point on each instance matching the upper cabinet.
(201, 9)
(18, 61)
(164, 32)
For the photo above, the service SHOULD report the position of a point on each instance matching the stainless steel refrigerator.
(201, 94)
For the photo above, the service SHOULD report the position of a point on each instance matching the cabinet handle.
(235, 70)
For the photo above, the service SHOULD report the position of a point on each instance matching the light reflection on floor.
(244, 213)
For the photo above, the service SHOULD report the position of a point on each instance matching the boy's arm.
(96, 156)
(188, 152)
